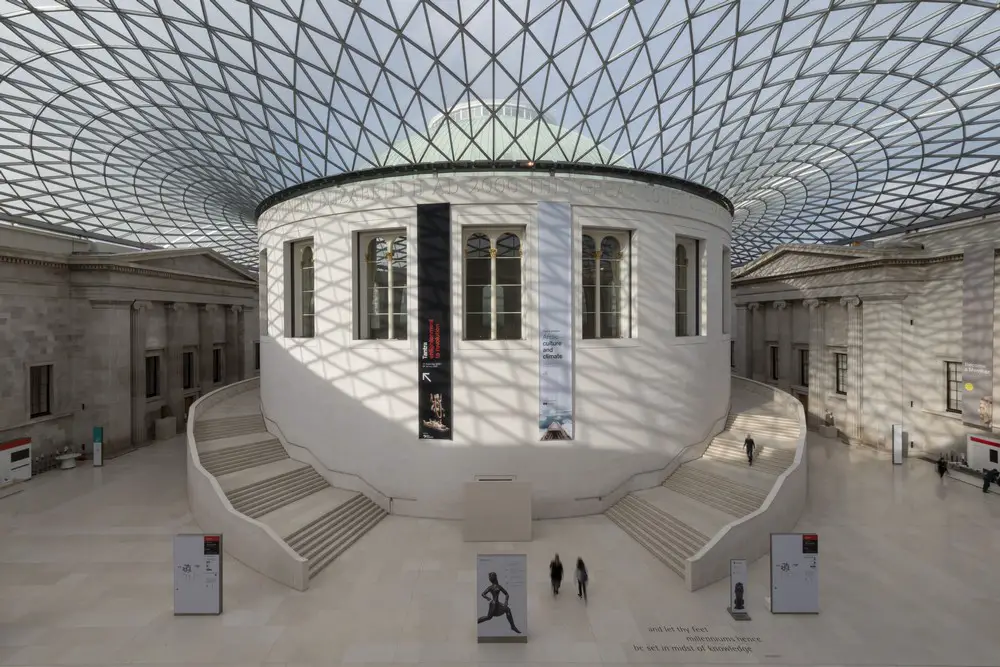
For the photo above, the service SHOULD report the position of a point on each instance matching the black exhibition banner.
(434, 317)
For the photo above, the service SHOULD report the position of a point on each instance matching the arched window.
(687, 287)
(493, 281)
(607, 299)
(382, 313)
(301, 290)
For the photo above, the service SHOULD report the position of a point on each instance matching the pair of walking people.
(556, 575)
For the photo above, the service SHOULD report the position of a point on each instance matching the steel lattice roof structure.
(167, 122)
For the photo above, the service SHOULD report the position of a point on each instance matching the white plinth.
(67, 461)
(166, 428)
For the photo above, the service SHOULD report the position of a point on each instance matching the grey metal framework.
(167, 122)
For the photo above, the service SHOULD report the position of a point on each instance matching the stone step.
(763, 425)
(212, 429)
(762, 462)
(227, 461)
(330, 536)
(716, 491)
(255, 438)
(666, 537)
(268, 495)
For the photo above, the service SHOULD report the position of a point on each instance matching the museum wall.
(353, 403)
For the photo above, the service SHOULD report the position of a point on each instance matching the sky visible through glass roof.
(166, 122)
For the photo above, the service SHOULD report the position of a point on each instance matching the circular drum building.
(560, 323)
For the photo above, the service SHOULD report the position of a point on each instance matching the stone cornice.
(96, 264)
(853, 266)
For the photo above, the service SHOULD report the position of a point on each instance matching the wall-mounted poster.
(555, 325)
(977, 335)
(794, 573)
(434, 314)
(502, 597)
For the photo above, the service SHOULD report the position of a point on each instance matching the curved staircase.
(318, 521)
(675, 520)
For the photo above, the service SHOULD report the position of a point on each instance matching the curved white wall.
(638, 401)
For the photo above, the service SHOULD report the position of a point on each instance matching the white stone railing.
(247, 540)
(749, 537)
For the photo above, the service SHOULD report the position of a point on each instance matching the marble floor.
(908, 577)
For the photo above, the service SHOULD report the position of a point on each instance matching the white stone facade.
(894, 307)
(93, 313)
(638, 399)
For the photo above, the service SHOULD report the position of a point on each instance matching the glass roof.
(166, 122)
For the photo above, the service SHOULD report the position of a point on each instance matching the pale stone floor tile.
(85, 579)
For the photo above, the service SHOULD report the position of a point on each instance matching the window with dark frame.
(732, 354)
(256, 356)
(841, 365)
(953, 386)
(804, 367)
(774, 362)
(217, 365)
(994, 456)
(187, 370)
(40, 391)
(153, 376)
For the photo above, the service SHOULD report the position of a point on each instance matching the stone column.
(756, 346)
(855, 368)
(206, 341)
(742, 339)
(139, 325)
(784, 330)
(819, 363)
(173, 370)
(234, 344)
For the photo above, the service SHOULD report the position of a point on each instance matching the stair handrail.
(389, 499)
(668, 464)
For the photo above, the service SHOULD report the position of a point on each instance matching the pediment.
(198, 262)
(794, 261)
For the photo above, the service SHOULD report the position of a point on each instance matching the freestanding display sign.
(197, 574)
(555, 325)
(897, 444)
(434, 317)
(794, 573)
(98, 446)
(738, 589)
(502, 597)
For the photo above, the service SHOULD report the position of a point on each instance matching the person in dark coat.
(749, 445)
(556, 574)
(990, 477)
(942, 467)
(581, 579)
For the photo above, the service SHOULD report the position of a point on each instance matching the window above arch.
(687, 287)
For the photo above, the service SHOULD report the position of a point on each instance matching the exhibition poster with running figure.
(555, 325)
(502, 597)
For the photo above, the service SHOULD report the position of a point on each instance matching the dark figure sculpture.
(739, 596)
(498, 608)
(989, 477)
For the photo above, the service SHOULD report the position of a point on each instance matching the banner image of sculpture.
(502, 602)
(555, 314)
(977, 336)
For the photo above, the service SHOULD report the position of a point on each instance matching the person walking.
(556, 574)
(749, 445)
(581, 579)
(942, 467)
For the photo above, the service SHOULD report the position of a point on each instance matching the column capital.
(208, 307)
(236, 309)
(741, 305)
(142, 305)
(179, 306)
(753, 306)
(780, 305)
(850, 301)
(812, 304)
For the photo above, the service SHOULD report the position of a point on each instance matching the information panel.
(794, 573)
(555, 321)
(434, 320)
(197, 574)
(897, 444)
(502, 597)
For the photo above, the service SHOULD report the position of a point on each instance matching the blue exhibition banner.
(555, 321)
